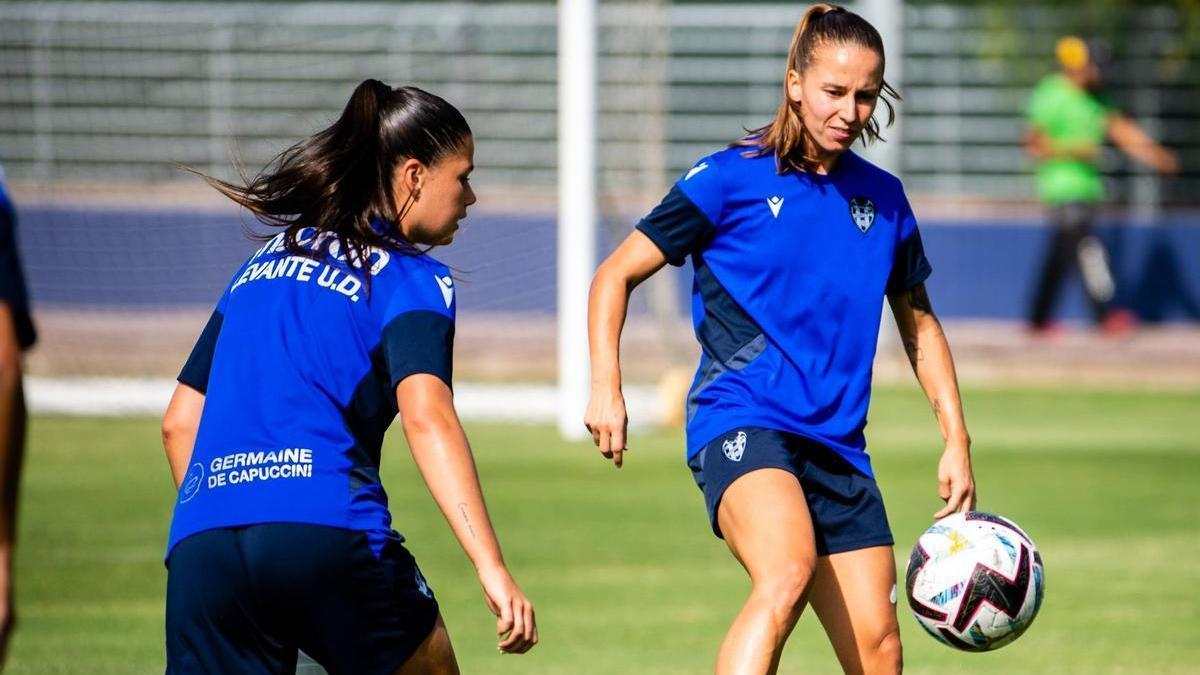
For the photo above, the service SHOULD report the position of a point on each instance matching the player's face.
(837, 94)
(440, 194)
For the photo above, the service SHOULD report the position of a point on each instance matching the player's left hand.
(956, 482)
(516, 626)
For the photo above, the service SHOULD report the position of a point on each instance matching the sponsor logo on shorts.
(735, 447)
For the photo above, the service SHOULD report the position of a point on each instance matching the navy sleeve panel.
(677, 226)
(12, 281)
(910, 266)
(199, 364)
(419, 341)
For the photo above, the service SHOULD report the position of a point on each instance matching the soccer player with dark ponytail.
(795, 241)
(282, 538)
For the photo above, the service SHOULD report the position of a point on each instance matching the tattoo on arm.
(918, 299)
(462, 508)
(937, 408)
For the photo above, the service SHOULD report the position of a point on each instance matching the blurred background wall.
(102, 102)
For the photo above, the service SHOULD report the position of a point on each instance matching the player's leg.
(853, 589)
(854, 596)
(765, 521)
(1058, 261)
(13, 420)
(434, 656)
(1094, 266)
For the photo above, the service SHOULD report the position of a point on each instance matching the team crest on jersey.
(862, 210)
(735, 447)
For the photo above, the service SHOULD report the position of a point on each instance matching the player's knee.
(887, 656)
(786, 588)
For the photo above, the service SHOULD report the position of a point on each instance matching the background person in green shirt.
(1069, 118)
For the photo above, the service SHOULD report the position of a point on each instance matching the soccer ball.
(975, 581)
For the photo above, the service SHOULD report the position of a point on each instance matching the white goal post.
(577, 210)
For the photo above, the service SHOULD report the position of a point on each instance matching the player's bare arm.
(929, 354)
(1136, 143)
(443, 455)
(179, 426)
(12, 453)
(634, 261)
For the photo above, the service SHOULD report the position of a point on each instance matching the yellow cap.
(1072, 52)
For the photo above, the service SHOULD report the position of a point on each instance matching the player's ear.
(409, 176)
(794, 88)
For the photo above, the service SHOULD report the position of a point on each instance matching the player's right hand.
(516, 626)
(606, 420)
(956, 480)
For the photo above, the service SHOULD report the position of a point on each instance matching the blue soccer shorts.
(846, 506)
(245, 599)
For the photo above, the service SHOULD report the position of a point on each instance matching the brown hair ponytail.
(786, 136)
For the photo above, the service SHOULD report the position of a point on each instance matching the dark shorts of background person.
(244, 599)
(1072, 224)
(846, 506)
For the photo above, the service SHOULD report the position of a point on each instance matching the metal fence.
(119, 92)
(969, 70)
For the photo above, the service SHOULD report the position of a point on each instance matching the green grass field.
(623, 571)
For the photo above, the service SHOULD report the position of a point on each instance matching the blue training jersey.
(790, 274)
(299, 365)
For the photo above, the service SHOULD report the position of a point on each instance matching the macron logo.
(775, 203)
(446, 284)
(695, 170)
